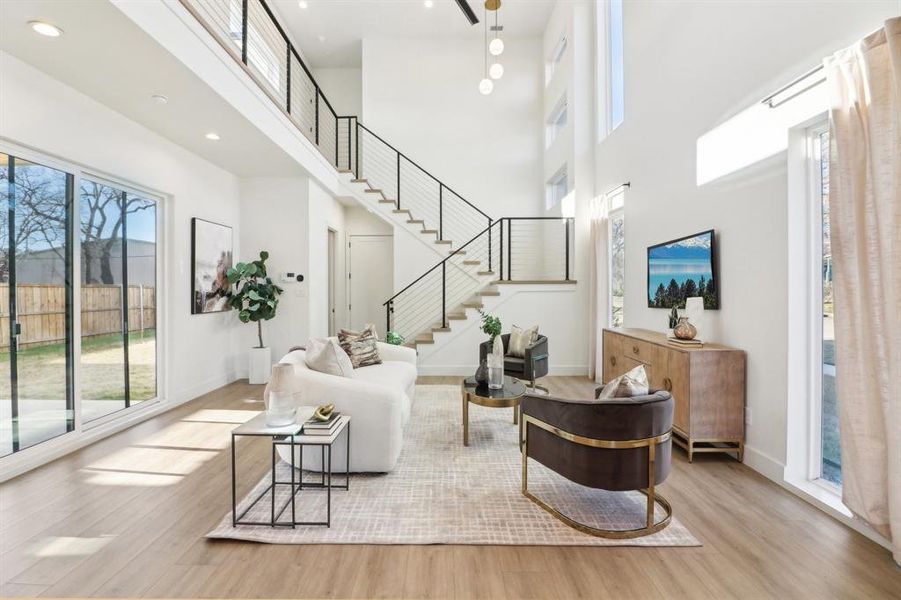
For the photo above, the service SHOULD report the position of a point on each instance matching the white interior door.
(371, 279)
(332, 251)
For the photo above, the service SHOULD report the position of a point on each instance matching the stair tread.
(443, 242)
(536, 281)
(440, 329)
(398, 211)
(473, 304)
(472, 262)
(429, 231)
(456, 316)
(387, 201)
(373, 191)
(344, 171)
(461, 252)
(415, 221)
(490, 293)
(359, 181)
(485, 273)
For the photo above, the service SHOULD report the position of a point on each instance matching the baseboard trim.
(764, 464)
(45, 452)
(465, 370)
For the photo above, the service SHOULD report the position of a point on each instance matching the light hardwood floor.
(127, 516)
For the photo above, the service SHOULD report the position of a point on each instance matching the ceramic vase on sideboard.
(260, 365)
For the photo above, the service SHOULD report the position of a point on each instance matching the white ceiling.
(344, 23)
(106, 56)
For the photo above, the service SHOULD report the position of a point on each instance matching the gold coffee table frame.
(511, 399)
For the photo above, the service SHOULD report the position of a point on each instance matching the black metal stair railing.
(511, 249)
(481, 250)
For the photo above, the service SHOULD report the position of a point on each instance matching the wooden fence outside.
(42, 313)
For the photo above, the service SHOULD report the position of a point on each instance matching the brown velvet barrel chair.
(621, 444)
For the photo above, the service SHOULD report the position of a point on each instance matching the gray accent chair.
(533, 366)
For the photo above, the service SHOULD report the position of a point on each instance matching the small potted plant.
(394, 338)
(673, 321)
(491, 325)
(255, 297)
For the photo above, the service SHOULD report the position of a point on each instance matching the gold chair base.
(651, 526)
(616, 534)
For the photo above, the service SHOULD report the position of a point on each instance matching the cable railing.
(511, 249)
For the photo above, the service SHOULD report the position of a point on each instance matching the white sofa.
(378, 398)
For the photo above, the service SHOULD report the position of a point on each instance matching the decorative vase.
(282, 409)
(496, 365)
(684, 330)
(481, 375)
(260, 365)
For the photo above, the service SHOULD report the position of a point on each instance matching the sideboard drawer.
(641, 351)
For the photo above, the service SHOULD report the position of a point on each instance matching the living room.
(590, 299)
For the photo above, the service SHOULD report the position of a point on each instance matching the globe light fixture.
(496, 47)
(486, 86)
(496, 71)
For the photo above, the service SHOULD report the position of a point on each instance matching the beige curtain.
(599, 287)
(865, 205)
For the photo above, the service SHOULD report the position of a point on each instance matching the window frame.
(616, 208)
(605, 67)
(552, 126)
(32, 455)
(551, 200)
(814, 202)
(554, 59)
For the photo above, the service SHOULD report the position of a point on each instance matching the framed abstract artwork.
(211, 258)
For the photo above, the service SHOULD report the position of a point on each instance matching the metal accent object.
(297, 484)
(492, 4)
(653, 498)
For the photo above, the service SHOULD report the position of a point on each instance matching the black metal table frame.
(297, 484)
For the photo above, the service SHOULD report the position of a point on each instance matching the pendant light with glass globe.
(496, 70)
(486, 86)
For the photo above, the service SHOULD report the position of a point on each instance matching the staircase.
(479, 260)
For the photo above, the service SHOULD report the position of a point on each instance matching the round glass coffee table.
(479, 393)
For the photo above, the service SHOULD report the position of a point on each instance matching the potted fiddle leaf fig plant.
(255, 297)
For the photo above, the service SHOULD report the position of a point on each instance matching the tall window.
(556, 189)
(118, 299)
(616, 237)
(555, 123)
(611, 75)
(823, 363)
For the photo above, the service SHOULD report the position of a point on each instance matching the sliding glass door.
(71, 242)
(118, 298)
(36, 398)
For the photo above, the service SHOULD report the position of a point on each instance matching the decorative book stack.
(314, 427)
(695, 343)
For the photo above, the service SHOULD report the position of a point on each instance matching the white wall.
(681, 81)
(40, 112)
(421, 96)
(290, 217)
(344, 89)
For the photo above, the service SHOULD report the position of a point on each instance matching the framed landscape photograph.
(211, 258)
(681, 269)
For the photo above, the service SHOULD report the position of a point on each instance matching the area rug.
(444, 493)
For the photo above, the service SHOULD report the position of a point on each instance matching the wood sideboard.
(707, 384)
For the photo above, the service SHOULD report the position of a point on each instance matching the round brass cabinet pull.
(635, 349)
(667, 384)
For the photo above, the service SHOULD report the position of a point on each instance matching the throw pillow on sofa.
(520, 339)
(361, 346)
(633, 383)
(326, 356)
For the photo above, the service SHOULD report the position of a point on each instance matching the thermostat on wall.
(291, 277)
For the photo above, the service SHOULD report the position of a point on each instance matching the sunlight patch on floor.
(68, 546)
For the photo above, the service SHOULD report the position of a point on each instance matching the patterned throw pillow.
(633, 383)
(520, 339)
(361, 346)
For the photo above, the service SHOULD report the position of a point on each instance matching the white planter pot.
(260, 365)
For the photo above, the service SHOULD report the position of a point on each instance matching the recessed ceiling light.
(45, 28)
(213, 136)
(159, 98)
(303, 4)
(429, 3)
(321, 38)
